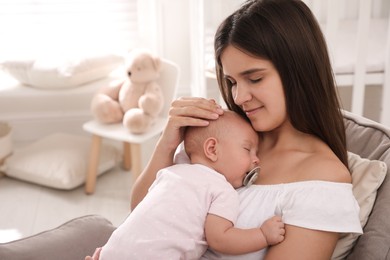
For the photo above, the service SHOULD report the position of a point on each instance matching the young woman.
(273, 68)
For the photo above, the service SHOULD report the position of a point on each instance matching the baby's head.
(228, 145)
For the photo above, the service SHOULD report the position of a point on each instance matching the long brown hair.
(286, 33)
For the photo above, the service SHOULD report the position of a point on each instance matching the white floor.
(26, 209)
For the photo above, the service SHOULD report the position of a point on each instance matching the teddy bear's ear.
(157, 63)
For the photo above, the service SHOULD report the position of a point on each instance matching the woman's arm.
(162, 157)
(184, 112)
(223, 237)
(304, 244)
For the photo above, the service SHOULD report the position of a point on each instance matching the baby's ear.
(210, 148)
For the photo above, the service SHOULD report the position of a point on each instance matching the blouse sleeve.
(325, 206)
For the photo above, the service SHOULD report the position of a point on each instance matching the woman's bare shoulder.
(324, 166)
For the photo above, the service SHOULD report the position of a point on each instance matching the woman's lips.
(251, 112)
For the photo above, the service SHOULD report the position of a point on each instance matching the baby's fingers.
(96, 254)
(277, 218)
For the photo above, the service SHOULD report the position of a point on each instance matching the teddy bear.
(137, 100)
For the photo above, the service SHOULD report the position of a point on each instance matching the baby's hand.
(95, 256)
(273, 230)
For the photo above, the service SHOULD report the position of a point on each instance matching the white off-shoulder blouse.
(318, 205)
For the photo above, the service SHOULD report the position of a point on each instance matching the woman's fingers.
(207, 104)
(193, 107)
(188, 111)
(193, 111)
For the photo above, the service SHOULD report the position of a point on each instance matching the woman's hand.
(188, 111)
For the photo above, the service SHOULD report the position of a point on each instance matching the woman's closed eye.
(254, 81)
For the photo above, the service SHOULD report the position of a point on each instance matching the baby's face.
(239, 154)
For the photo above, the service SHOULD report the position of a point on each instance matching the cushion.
(367, 177)
(62, 71)
(371, 140)
(72, 240)
(59, 161)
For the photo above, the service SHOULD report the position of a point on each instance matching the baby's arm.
(223, 237)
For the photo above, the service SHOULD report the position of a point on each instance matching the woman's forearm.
(303, 243)
(162, 157)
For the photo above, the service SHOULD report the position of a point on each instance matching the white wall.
(175, 37)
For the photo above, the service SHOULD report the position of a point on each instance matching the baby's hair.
(195, 136)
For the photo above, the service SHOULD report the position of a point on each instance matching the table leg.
(90, 182)
(136, 160)
(126, 156)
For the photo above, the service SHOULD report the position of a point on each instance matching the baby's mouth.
(251, 176)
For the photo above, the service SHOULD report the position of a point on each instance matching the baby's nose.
(256, 161)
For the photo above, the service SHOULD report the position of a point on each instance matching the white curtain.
(38, 26)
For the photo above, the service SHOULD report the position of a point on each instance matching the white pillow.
(58, 161)
(367, 177)
(62, 71)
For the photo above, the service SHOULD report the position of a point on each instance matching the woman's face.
(256, 88)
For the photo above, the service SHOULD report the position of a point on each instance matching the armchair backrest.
(371, 140)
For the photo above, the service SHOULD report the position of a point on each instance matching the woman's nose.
(241, 94)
